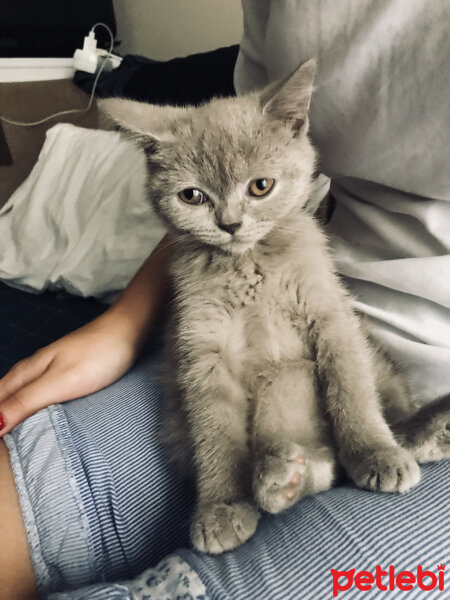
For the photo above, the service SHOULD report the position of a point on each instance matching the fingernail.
(2, 422)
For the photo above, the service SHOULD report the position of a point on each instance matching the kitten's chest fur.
(264, 303)
(251, 299)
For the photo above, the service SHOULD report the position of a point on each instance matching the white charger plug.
(90, 58)
(86, 59)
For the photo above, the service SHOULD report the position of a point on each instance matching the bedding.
(81, 221)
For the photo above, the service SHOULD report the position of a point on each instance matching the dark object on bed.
(30, 321)
(190, 80)
(51, 27)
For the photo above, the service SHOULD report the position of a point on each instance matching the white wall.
(164, 29)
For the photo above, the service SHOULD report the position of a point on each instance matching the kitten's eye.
(193, 196)
(260, 187)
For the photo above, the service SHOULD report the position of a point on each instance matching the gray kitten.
(272, 383)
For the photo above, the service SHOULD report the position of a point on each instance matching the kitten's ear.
(288, 100)
(146, 124)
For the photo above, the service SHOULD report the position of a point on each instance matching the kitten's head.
(228, 171)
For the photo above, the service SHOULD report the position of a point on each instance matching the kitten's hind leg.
(427, 432)
(290, 457)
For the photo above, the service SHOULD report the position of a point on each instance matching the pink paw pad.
(291, 489)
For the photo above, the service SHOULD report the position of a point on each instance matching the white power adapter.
(86, 59)
(90, 58)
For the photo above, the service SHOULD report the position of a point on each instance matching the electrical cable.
(73, 110)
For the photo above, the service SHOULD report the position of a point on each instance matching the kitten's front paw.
(388, 469)
(217, 528)
(279, 477)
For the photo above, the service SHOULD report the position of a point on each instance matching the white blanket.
(81, 221)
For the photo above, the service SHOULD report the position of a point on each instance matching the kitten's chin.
(233, 245)
(236, 247)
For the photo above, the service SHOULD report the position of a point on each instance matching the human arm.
(93, 356)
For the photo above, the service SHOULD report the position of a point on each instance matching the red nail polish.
(2, 422)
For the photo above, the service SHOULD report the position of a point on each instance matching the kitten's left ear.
(144, 123)
(288, 100)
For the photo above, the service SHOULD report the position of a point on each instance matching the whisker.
(168, 245)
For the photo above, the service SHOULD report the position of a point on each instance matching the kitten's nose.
(230, 227)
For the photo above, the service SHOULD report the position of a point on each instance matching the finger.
(23, 373)
(48, 389)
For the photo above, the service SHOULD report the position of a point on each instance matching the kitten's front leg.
(367, 448)
(216, 409)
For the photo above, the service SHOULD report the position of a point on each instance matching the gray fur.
(272, 384)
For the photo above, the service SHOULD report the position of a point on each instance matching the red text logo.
(388, 580)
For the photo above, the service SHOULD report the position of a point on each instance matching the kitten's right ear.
(288, 100)
(146, 124)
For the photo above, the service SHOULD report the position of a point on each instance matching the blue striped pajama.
(101, 504)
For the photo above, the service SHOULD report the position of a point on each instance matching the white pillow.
(82, 221)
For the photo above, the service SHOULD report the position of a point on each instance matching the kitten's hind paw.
(279, 477)
(427, 433)
(388, 469)
(219, 527)
(432, 445)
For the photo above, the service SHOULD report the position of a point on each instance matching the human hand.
(78, 364)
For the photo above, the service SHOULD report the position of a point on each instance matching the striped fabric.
(292, 554)
(101, 504)
(136, 509)
(52, 515)
(97, 592)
